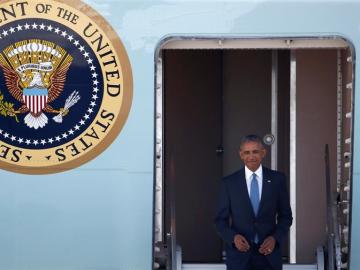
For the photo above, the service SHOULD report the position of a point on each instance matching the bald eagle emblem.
(35, 74)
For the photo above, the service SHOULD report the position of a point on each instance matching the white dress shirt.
(259, 178)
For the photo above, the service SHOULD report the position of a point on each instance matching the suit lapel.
(266, 189)
(244, 192)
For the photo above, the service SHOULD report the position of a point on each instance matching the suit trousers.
(257, 260)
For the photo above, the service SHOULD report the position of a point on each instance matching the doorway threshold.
(219, 266)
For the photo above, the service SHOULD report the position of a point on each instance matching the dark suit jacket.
(235, 215)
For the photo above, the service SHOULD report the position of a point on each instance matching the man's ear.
(240, 154)
(264, 152)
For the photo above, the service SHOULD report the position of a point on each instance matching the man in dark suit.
(253, 214)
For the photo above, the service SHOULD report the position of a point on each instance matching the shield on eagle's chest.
(35, 99)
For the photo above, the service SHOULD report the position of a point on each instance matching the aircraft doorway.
(210, 99)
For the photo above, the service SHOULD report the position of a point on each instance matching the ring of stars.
(62, 33)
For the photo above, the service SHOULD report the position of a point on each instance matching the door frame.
(178, 42)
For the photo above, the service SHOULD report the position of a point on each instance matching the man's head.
(252, 151)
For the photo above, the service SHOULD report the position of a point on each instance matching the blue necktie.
(254, 194)
(254, 197)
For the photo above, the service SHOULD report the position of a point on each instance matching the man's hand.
(240, 243)
(267, 246)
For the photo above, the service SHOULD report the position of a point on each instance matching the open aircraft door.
(209, 94)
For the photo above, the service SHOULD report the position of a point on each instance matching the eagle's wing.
(12, 80)
(58, 82)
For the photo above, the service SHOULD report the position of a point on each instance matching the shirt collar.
(258, 172)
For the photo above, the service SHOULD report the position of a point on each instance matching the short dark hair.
(250, 138)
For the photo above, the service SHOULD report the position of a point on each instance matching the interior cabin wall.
(283, 136)
(212, 98)
(246, 101)
(316, 121)
(192, 134)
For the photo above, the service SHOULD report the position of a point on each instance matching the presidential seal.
(65, 85)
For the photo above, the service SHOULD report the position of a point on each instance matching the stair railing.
(333, 228)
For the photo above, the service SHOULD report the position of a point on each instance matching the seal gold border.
(121, 117)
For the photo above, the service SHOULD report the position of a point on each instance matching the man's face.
(252, 153)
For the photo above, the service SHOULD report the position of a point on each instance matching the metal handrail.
(320, 263)
(337, 241)
(172, 234)
(333, 228)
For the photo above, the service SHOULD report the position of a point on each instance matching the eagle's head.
(36, 80)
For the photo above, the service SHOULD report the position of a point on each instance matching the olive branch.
(7, 108)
